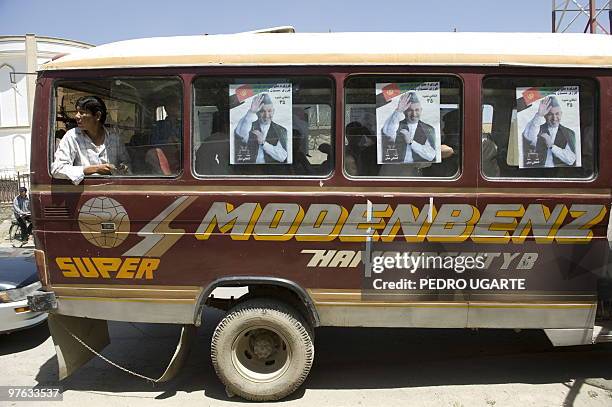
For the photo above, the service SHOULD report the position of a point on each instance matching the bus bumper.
(42, 301)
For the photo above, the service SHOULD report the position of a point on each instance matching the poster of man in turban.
(260, 123)
(544, 142)
(408, 122)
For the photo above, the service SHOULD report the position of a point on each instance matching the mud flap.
(180, 354)
(70, 353)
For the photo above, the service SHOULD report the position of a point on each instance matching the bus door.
(543, 205)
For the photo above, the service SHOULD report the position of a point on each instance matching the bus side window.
(403, 127)
(141, 128)
(279, 127)
(538, 128)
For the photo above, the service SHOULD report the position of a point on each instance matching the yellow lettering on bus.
(146, 268)
(238, 221)
(579, 230)
(497, 222)
(454, 223)
(85, 272)
(541, 222)
(412, 222)
(67, 267)
(321, 223)
(278, 221)
(129, 266)
(108, 267)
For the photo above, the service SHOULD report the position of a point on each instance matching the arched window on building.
(20, 153)
(8, 98)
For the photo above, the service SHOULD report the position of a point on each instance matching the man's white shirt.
(390, 130)
(244, 128)
(76, 151)
(531, 135)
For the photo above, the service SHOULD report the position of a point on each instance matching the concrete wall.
(20, 56)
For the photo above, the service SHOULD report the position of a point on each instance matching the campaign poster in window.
(408, 123)
(548, 127)
(261, 123)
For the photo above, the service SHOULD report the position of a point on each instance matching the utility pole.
(593, 16)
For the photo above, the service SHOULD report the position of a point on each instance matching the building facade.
(20, 57)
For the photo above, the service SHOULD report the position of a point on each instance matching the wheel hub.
(262, 344)
(261, 354)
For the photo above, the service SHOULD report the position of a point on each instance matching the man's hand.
(446, 151)
(545, 106)
(121, 169)
(407, 136)
(548, 139)
(260, 137)
(256, 103)
(404, 103)
(104, 169)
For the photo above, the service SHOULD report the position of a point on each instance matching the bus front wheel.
(262, 350)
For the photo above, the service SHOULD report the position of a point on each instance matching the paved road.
(354, 367)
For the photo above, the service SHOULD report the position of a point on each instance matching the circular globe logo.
(104, 222)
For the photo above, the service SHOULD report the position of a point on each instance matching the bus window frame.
(461, 104)
(77, 78)
(554, 75)
(197, 74)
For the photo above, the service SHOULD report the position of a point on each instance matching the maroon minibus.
(432, 180)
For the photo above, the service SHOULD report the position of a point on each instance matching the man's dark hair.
(23, 189)
(93, 105)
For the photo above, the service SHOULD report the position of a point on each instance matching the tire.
(262, 350)
(13, 235)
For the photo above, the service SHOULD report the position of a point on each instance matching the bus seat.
(163, 161)
(158, 162)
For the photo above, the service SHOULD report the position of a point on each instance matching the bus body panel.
(168, 255)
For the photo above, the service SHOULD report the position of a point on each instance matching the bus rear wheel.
(262, 350)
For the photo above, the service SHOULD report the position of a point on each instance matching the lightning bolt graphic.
(158, 236)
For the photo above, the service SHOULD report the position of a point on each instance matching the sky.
(102, 21)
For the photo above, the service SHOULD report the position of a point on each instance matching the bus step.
(602, 333)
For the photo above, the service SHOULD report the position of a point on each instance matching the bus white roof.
(436, 48)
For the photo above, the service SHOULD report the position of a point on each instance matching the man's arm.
(65, 156)
(279, 150)
(244, 126)
(17, 209)
(246, 123)
(532, 129)
(533, 126)
(564, 154)
(390, 127)
(425, 150)
(392, 124)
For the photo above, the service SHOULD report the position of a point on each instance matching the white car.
(18, 279)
